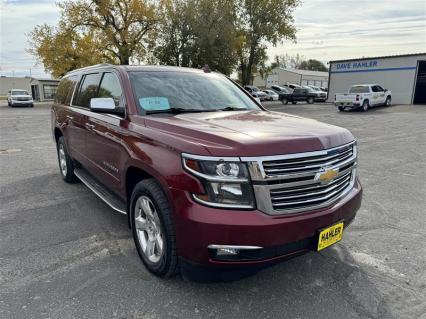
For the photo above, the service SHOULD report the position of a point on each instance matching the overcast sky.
(328, 30)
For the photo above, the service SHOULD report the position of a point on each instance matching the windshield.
(162, 91)
(359, 89)
(20, 92)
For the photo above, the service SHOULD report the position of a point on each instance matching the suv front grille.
(300, 182)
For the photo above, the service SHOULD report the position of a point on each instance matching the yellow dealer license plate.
(330, 235)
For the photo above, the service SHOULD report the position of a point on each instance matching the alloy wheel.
(62, 160)
(148, 229)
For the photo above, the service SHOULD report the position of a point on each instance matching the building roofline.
(378, 57)
(296, 71)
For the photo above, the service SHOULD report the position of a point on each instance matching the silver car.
(18, 97)
(271, 95)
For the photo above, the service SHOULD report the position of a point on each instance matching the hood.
(250, 133)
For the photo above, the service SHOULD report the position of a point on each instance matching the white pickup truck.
(363, 96)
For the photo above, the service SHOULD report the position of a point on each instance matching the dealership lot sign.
(357, 65)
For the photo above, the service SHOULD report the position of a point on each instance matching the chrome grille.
(291, 183)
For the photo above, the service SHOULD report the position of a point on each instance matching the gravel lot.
(66, 254)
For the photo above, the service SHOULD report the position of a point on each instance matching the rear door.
(105, 147)
(77, 117)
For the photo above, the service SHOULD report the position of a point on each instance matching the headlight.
(226, 181)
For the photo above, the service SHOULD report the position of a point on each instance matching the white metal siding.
(396, 74)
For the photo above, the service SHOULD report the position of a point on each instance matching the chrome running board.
(101, 191)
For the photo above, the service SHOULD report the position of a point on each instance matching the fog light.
(227, 252)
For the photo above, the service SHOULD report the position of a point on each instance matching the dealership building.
(40, 89)
(403, 75)
(282, 76)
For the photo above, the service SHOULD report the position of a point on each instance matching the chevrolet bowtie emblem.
(327, 175)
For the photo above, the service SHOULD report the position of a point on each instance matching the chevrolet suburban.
(212, 183)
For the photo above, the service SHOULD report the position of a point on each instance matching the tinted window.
(62, 91)
(379, 88)
(87, 90)
(73, 83)
(298, 91)
(359, 89)
(374, 88)
(188, 90)
(110, 87)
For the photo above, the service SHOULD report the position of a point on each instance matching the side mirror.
(104, 104)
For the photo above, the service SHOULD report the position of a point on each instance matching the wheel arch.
(57, 134)
(135, 174)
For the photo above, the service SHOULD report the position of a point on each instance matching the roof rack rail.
(92, 66)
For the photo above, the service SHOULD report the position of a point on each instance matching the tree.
(113, 30)
(198, 32)
(288, 61)
(262, 22)
(61, 51)
(313, 65)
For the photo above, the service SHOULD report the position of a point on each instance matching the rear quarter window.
(65, 90)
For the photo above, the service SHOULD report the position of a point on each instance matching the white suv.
(17, 97)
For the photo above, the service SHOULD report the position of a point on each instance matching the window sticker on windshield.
(154, 103)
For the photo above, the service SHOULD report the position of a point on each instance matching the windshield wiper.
(231, 108)
(176, 110)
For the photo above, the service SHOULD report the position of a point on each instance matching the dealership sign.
(357, 65)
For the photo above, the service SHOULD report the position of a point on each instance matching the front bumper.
(279, 236)
(16, 103)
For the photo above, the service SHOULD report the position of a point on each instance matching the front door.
(105, 149)
(381, 99)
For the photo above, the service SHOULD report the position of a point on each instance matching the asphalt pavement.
(66, 254)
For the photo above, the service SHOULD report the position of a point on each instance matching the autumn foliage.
(227, 35)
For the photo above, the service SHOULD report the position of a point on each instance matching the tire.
(152, 226)
(310, 100)
(365, 106)
(341, 108)
(294, 102)
(66, 164)
(388, 101)
(284, 101)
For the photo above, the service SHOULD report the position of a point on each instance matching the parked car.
(321, 96)
(281, 89)
(17, 97)
(212, 183)
(363, 97)
(256, 92)
(271, 95)
(298, 95)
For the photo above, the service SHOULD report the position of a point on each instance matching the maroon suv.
(208, 178)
